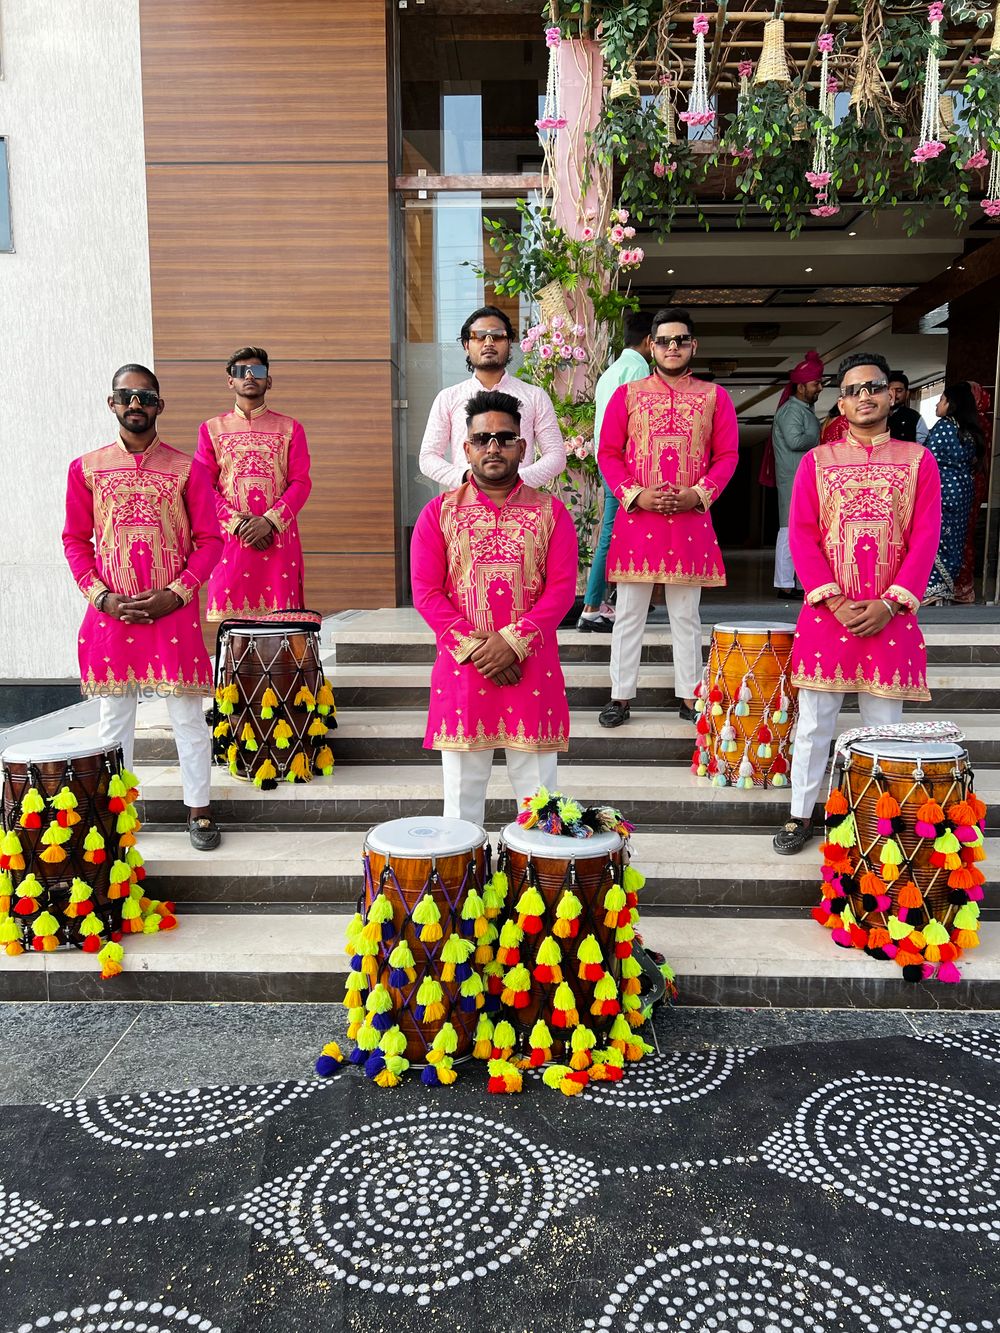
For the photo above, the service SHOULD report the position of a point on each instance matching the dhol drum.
(273, 706)
(564, 959)
(70, 870)
(746, 707)
(904, 838)
(418, 946)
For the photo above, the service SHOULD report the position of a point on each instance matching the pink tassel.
(948, 973)
(890, 950)
(924, 830)
(883, 902)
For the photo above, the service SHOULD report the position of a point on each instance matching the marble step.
(406, 685)
(395, 736)
(753, 961)
(400, 636)
(358, 796)
(682, 869)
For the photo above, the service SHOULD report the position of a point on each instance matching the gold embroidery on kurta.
(670, 430)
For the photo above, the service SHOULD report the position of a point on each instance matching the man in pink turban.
(794, 432)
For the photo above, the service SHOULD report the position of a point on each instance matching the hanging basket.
(797, 106)
(946, 110)
(665, 111)
(624, 84)
(552, 301)
(773, 66)
(994, 51)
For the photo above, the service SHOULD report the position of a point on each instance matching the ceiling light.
(670, 270)
(852, 233)
(808, 270)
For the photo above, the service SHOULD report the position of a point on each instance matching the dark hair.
(247, 354)
(672, 315)
(635, 327)
(862, 359)
(133, 368)
(898, 377)
(492, 400)
(963, 411)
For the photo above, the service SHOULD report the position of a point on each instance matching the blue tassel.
(374, 1064)
(326, 1065)
(355, 962)
(358, 1056)
(468, 930)
(492, 1005)
(398, 979)
(463, 971)
(467, 1003)
(383, 1022)
(430, 1076)
(388, 929)
(418, 1009)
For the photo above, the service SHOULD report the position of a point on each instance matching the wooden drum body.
(67, 820)
(904, 836)
(425, 868)
(746, 707)
(554, 944)
(273, 707)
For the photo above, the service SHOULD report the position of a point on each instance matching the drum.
(566, 942)
(273, 706)
(421, 938)
(746, 707)
(68, 858)
(904, 836)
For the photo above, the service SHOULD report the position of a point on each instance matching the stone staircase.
(263, 917)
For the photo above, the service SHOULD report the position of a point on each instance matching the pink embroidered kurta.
(660, 433)
(477, 567)
(865, 521)
(137, 523)
(258, 466)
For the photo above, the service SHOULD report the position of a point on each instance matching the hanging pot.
(552, 301)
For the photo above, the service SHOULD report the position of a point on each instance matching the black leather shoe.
(204, 834)
(787, 594)
(687, 713)
(613, 714)
(792, 837)
(595, 625)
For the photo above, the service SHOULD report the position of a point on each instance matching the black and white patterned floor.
(801, 1188)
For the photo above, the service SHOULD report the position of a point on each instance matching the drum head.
(756, 627)
(917, 751)
(424, 836)
(265, 631)
(535, 843)
(52, 749)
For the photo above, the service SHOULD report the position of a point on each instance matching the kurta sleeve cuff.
(233, 524)
(461, 646)
(183, 589)
(706, 494)
(823, 592)
(276, 520)
(903, 596)
(92, 587)
(521, 637)
(629, 496)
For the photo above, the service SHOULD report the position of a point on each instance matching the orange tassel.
(979, 808)
(962, 813)
(871, 884)
(836, 803)
(877, 937)
(886, 807)
(930, 813)
(909, 895)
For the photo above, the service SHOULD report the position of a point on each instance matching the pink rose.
(825, 211)
(629, 233)
(579, 354)
(659, 169)
(527, 344)
(587, 234)
(976, 162)
(617, 235)
(825, 42)
(700, 24)
(621, 214)
(624, 258)
(991, 207)
(745, 68)
(545, 352)
(580, 451)
(557, 338)
(558, 321)
(553, 37)
(566, 353)
(578, 330)
(928, 150)
(638, 256)
(817, 179)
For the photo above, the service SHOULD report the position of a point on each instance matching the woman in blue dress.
(956, 441)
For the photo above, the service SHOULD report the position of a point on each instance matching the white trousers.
(467, 772)
(116, 726)
(814, 735)
(784, 570)
(631, 605)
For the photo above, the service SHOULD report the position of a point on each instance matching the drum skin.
(402, 879)
(589, 878)
(944, 780)
(253, 661)
(761, 656)
(87, 776)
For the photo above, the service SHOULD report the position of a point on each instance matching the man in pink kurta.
(141, 537)
(669, 445)
(494, 572)
(258, 461)
(864, 527)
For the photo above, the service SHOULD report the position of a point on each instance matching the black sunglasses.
(870, 387)
(506, 439)
(146, 397)
(239, 372)
(675, 340)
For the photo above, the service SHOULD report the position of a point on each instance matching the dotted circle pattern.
(181, 1118)
(940, 1144)
(120, 1313)
(974, 1042)
(669, 1079)
(22, 1222)
(418, 1203)
(723, 1284)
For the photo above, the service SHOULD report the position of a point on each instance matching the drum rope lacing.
(749, 679)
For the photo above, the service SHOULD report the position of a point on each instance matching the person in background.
(904, 422)
(956, 441)
(794, 432)
(834, 427)
(633, 364)
(487, 336)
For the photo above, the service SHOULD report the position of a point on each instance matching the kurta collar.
(254, 412)
(485, 499)
(145, 453)
(876, 440)
(504, 380)
(662, 381)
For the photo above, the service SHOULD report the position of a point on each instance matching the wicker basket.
(994, 51)
(665, 111)
(552, 301)
(946, 114)
(773, 66)
(624, 84)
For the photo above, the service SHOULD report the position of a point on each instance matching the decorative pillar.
(581, 76)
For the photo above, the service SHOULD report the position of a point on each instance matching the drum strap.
(897, 731)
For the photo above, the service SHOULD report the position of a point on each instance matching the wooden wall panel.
(285, 256)
(345, 582)
(264, 80)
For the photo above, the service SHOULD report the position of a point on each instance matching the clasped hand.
(255, 530)
(667, 499)
(863, 618)
(494, 658)
(144, 609)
